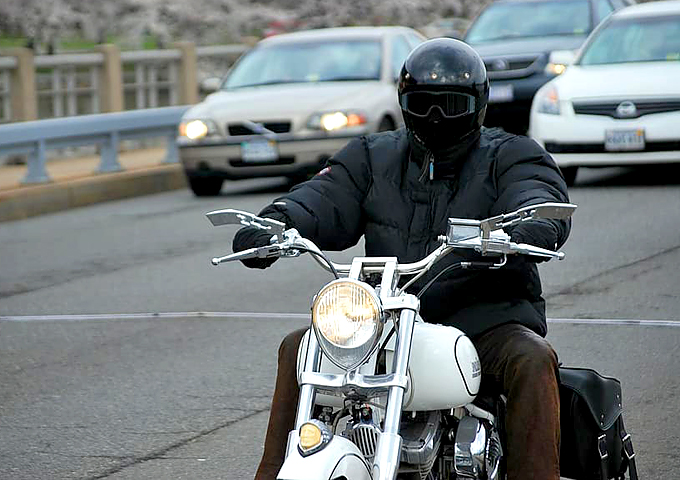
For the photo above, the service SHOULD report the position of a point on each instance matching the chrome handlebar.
(484, 236)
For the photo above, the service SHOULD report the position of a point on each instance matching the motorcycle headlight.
(348, 320)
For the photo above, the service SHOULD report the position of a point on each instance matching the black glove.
(539, 233)
(251, 237)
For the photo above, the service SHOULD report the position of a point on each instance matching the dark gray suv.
(515, 38)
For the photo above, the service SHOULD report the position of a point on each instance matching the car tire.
(205, 186)
(569, 174)
(386, 124)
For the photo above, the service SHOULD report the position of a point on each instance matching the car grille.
(552, 147)
(237, 129)
(515, 66)
(642, 107)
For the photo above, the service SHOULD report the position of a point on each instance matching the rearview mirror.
(237, 217)
(460, 229)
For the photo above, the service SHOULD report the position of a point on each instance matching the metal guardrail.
(70, 84)
(105, 129)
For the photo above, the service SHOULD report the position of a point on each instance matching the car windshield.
(326, 61)
(507, 20)
(655, 39)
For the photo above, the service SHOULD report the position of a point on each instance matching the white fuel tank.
(444, 369)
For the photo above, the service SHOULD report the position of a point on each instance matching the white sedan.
(619, 102)
(292, 101)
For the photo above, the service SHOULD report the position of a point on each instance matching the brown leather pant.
(512, 356)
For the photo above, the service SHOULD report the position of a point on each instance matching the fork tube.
(388, 450)
(307, 392)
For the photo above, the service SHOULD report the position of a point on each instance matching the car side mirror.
(562, 57)
(210, 84)
(559, 60)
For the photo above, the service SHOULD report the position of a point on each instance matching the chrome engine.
(470, 449)
(477, 450)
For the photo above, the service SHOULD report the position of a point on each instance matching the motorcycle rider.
(398, 189)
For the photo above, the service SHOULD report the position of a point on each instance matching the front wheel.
(205, 186)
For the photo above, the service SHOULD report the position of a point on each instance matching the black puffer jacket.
(380, 187)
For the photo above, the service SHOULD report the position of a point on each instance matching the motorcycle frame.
(395, 384)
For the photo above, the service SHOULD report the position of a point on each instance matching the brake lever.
(268, 251)
(509, 248)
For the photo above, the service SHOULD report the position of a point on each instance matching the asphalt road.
(125, 355)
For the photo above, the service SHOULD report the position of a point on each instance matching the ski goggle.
(451, 104)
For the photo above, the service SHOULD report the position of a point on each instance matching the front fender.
(340, 458)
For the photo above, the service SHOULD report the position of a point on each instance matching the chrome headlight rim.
(367, 347)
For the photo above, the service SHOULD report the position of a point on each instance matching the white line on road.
(296, 316)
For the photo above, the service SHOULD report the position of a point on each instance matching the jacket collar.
(443, 163)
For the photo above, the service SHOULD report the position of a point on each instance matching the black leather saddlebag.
(595, 445)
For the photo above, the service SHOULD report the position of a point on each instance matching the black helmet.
(443, 92)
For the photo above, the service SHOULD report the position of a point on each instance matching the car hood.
(281, 101)
(633, 80)
(518, 46)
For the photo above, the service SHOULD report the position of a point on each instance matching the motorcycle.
(371, 405)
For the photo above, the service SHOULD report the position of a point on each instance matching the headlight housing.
(347, 318)
(197, 129)
(331, 121)
(549, 101)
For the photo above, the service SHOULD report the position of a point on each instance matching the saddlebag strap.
(629, 452)
(602, 450)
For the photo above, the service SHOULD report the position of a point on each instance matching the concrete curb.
(25, 202)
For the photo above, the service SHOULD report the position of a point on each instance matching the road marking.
(144, 316)
(292, 316)
(616, 322)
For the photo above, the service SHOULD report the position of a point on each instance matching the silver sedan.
(292, 101)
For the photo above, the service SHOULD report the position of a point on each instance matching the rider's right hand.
(252, 237)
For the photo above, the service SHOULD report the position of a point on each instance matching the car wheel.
(569, 174)
(205, 186)
(385, 124)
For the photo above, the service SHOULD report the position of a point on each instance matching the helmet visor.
(451, 104)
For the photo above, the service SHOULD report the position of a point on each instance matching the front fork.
(388, 449)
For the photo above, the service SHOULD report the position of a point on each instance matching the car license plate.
(501, 93)
(624, 140)
(259, 151)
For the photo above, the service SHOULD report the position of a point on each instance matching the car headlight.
(331, 121)
(549, 101)
(348, 320)
(196, 129)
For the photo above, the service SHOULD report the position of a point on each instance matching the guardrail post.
(111, 80)
(109, 155)
(171, 149)
(22, 85)
(36, 172)
(188, 83)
